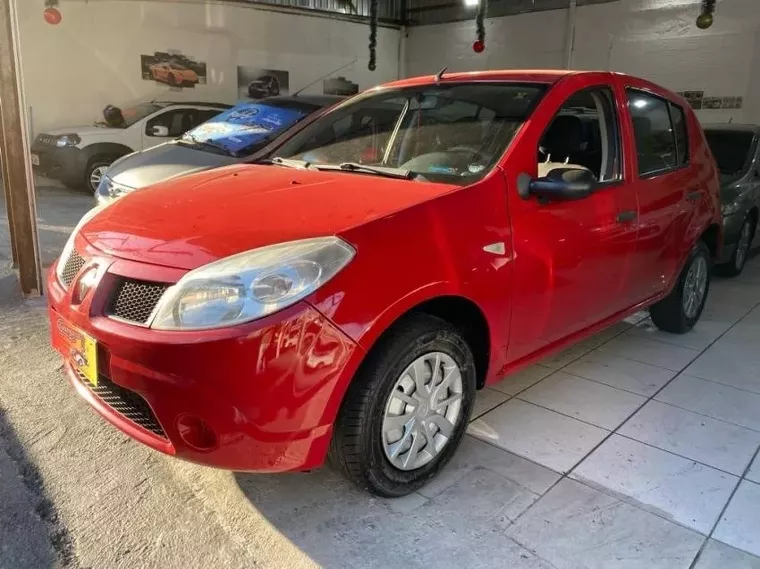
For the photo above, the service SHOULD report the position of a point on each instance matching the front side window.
(584, 135)
(446, 133)
(655, 141)
(176, 121)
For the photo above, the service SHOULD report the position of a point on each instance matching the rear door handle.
(693, 196)
(626, 216)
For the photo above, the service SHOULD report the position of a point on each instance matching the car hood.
(90, 130)
(163, 162)
(191, 221)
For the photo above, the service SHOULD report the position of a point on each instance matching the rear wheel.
(680, 310)
(407, 409)
(736, 264)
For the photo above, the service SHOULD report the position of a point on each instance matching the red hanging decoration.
(480, 43)
(52, 16)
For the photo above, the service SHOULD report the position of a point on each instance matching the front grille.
(125, 402)
(135, 300)
(71, 267)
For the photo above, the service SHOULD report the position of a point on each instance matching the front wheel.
(680, 310)
(407, 409)
(96, 169)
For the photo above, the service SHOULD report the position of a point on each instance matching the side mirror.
(559, 184)
(158, 130)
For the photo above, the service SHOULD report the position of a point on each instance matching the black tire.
(735, 265)
(357, 445)
(92, 165)
(669, 313)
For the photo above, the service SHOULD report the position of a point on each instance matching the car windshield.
(731, 149)
(249, 126)
(451, 133)
(134, 114)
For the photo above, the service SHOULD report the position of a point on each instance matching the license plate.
(80, 349)
(35, 160)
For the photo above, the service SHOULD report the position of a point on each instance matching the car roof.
(524, 75)
(165, 104)
(735, 127)
(317, 100)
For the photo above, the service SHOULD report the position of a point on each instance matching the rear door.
(668, 192)
(572, 265)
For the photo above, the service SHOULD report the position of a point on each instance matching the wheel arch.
(713, 238)
(105, 149)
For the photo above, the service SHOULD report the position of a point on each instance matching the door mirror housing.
(564, 183)
(158, 130)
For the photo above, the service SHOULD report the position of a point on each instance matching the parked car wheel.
(680, 310)
(407, 409)
(96, 169)
(735, 265)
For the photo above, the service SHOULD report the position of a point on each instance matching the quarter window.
(653, 132)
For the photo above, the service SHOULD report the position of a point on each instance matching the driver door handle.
(626, 216)
(693, 196)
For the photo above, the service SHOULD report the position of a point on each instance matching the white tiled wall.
(656, 39)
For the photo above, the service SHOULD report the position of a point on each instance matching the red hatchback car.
(416, 243)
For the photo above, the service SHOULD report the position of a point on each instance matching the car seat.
(563, 145)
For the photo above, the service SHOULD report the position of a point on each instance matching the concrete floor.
(632, 449)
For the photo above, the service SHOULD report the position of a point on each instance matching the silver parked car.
(735, 147)
(236, 135)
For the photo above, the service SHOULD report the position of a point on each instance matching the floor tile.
(543, 436)
(717, 555)
(700, 337)
(714, 400)
(623, 373)
(706, 440)
(583, 347)
(754, 471)
(474, 453)
(650, 352)
(589, 401)
(730, 362)
(574, 526)
(483, 500)
(486, 399)
(677, 488)
(738, 526)
(516, 382)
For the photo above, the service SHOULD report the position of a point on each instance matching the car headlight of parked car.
(251, 285)
(66, 253)
(67, 140)
(730, 208)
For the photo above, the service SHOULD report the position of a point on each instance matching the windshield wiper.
(287, 162)
(190, 139)
(386, 171)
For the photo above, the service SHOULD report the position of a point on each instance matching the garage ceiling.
(421, 12)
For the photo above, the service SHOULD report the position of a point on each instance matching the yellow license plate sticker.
(82, 351)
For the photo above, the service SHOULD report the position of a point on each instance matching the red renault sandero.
(347, 297)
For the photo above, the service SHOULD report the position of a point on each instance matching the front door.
(572, 265)
(169, 125)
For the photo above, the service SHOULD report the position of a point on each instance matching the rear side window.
(681, 134)
(653, 131)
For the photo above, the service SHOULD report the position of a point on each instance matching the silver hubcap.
(96, 176)
(743, 246)
(694, 287)
(422, 411)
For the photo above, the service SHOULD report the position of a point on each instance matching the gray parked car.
(735, 147)
(241, 132)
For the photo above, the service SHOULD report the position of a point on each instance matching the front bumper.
(267, 391)
(65, 164)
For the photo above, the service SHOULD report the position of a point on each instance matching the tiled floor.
(653, 439)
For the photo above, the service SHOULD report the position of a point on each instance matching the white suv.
(79, 156)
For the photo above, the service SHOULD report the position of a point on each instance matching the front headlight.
(66, 253)
(67, 140)
(251, 285)
(730, 208)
